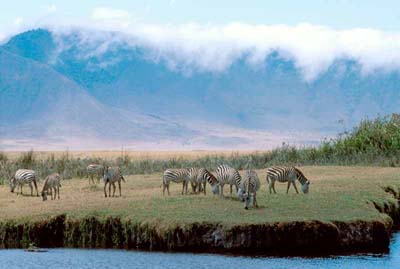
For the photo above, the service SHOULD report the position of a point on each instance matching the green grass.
(336, 194)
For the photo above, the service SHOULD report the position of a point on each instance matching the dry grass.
(134, 155)
(336, 193)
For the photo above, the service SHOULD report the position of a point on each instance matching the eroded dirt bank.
(277, 238)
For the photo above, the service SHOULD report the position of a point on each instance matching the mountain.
(64, 85)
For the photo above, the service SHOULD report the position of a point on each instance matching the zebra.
(110, 176)
(201, 177)
(286, 174)
(227, 175)
(21, 177)
(248, 188)
(94, 170)
(52, 182)
(177, 176)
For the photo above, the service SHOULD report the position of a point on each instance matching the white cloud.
(213, 48)
(172, 2)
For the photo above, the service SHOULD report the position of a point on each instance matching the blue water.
(80, 258)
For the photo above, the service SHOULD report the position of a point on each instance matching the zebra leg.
(168, 188)
(163, 188)
(294, 185)
(255, 200)
(105, 190)
(114, 189)
(204, 186)
(58, 191)
(34, 183)
(183, 187)
(51, 193)
(230, 186)
(119, 186)
(273, 187)
(288, 186)
(30, 186)
(222, 191)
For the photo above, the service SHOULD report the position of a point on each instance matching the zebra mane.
(300, 176)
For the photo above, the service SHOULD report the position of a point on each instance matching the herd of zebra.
(246, 185)
(52, 182)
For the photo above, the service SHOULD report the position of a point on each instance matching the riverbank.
(340, 215)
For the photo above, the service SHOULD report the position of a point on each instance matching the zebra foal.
(248, 188)
(227, 175)
(21, 177)
(286, 174)
(200, 177)
(94, 170)
(52, 182)
(111, 175)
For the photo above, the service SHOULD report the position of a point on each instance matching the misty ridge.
(193, 86)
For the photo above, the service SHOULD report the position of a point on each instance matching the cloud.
(172, 2)
(214, 48)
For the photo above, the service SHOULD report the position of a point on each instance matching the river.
(89, 258)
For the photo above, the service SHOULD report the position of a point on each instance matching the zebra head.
(247, 199)
(241, 195)
(305, 187)
(106, 174)
(215, 188)
(12, 184)
(44, 195)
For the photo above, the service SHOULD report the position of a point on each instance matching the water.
(79, 258)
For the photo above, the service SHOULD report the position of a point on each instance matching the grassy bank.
(337, 193)
(341, 207)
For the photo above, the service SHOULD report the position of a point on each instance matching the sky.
(338, 14)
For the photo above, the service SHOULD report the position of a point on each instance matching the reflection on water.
(80, 258)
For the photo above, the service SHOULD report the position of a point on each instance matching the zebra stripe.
(21, 177)
(111, 175)
(177, 176)
(227, 175)
(52, 182)
(94, 170)
(286, 174)
(248, 188)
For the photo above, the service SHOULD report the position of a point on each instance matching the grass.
(336, 194)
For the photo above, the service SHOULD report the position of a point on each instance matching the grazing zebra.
(94, 170)
(111, 175)
(227, 175)
(286, 174)
(248, 188)
(21, 177)
(177, 176)
(200, 179)
(52, 182)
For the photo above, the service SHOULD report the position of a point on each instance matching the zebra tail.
(123, 179)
